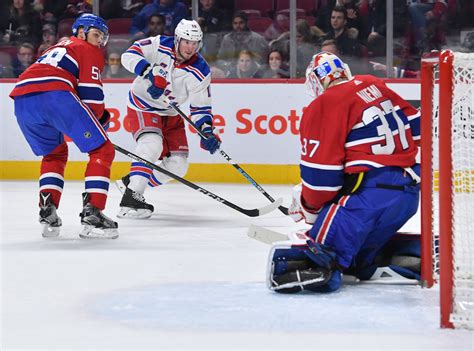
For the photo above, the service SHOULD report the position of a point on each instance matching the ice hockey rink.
(188, 278)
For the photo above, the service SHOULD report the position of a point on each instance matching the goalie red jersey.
(355, 126)
(73, 65)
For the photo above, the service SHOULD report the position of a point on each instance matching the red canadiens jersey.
(354, 127)
(73, 65)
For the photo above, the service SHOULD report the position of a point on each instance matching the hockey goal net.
(447, 159)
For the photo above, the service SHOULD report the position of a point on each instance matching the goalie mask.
(189, 30)
(323, 69)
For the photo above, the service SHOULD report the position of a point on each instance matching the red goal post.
(447, 189)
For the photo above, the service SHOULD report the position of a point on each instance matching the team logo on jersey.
(87, 135)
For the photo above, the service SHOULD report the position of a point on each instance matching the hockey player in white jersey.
(169, 70)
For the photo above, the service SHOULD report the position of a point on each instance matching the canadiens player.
(359, 178)
(169, 70)
(61, 94)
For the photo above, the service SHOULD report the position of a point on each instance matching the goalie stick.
(283, 209)
(249, 212)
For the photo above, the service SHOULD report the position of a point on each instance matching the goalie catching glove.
(298, 211)
(301, 264)
(156, 75)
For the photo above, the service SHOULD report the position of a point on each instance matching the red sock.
(97, 177)
(52, 173)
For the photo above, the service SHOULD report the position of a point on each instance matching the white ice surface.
(188, 278)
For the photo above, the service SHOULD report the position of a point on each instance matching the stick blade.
(271, 207)
(264, 235)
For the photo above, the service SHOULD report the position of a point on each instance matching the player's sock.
(52, 173)
(98, 174)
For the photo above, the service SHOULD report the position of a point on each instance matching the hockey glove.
(213, 142)
(105, 120)
(156, 75)
(297, 211)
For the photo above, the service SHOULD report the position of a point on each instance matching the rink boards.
(258, 124)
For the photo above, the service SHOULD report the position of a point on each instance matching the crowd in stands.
(248, 38)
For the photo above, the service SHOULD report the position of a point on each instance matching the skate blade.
(121, 187)
(127, 212)
(50, 232)
(91, 232)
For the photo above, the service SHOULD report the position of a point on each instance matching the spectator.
(211, 17)
(323, 14)
(357, 66)
(6, 70)
(275, 68)
(246, 66)
(330, 46)
(173, 11)
(279, 26)
(353, 20)
(467, 44)
(242, 38)
(397, 72)
(156, 26)
(373, 23)
(23, 24)
(24, 58)
(217, 72)
(307, 39)
(346, 45)
(127, 8)
(114, 68)
(427, 16)
(50, 10)
(49, 38)
(75, 8)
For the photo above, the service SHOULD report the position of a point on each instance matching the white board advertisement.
(258, 122)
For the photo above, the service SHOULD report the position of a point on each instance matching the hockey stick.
(251, 213)
(228, 159)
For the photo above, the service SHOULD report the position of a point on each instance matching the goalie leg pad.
(289, 270)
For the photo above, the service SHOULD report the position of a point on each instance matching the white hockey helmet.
(323, 69)
(189, 30)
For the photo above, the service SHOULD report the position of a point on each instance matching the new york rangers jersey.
(189, 80)
(353, 127)
(73, 65)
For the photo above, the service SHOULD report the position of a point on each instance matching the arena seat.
(259, 24)
(264, 6)
(309, 6)
(119, 26)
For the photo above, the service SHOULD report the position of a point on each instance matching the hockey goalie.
(359, 180)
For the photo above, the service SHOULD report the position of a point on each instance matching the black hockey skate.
(122, 183)
(95, 225)
(48, 217)
(133, 205)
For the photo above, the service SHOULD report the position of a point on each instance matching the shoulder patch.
(144, 42)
